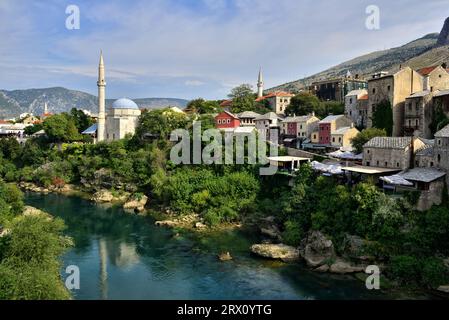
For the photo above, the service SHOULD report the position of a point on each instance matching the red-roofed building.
(278, 100)
(226, 104)
(226, 120)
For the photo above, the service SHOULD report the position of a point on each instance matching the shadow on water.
(123, 256)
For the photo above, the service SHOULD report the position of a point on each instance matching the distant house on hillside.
(278, 101)
(329, 125)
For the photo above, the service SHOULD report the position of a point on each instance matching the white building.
(118, 120)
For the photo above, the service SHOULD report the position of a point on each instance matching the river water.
(124, 256)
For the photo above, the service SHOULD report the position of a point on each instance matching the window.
(374, 90)
(386, 164)
(339, 139)
(368, 164)
(409, 107)
(367, 151)
(218, 121)
(350, 101)
(431, 164)
(439, 142)
(228, 120)
(389, 88)
(378, 162)
(417, 122)
(333, 139)
(439, 158)
(397, 164)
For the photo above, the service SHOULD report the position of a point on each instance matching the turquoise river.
(124, 256)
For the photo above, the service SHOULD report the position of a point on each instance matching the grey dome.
(124, 103)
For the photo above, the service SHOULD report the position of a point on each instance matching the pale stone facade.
(394, 88)
(391, 152)
(354, 106)
(341, 138)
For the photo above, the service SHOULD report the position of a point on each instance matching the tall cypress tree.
(383, 117)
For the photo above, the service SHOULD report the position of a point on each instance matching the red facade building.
(226, 120)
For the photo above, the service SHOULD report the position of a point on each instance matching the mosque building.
(115, 122)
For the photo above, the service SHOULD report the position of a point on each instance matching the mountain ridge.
(389, 60)
(60, 99)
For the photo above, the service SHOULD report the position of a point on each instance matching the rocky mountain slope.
(13, 103)
(420, 53)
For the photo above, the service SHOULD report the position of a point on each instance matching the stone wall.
(431, 197)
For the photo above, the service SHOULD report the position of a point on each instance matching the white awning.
(397, 180)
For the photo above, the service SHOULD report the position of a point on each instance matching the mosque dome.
(124, 103)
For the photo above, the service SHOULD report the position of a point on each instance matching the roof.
(226, 103)
(343, 130)
(229, 114)
(364, 97)
(397, 180)
(419, 94)
(443, 133)
(248, 114)
(423, 174)
(276, 94)
(331, 118)
(91, 130)
(426, 151)
(287, 159)
(360, 92)
(298, 119)
(426, 71)
(268, 116)
(389, 142)
(339, 154)
(441, 93)
(124, 103)
(327, 168)
(368, 170)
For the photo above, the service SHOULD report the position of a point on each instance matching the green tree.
(440, 119)
(61, 128)
(82, 120)
(304, 104)
(30, 130)
(9, 148)
(366, 135)
(243, 98)
(383, 117)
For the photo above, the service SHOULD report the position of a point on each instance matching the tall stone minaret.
(101, 101)
(260, 84)
(45, 108)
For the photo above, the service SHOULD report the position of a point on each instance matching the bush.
(293, 233)
(434, 273)
(405, 269)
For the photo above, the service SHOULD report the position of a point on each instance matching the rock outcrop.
(443, 39)
(343, 267)
(135, 203)
(276, 251)
(105, 196)
(355, 248)
(317, 250)
(225, 256)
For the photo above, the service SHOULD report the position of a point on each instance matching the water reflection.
(122, 256)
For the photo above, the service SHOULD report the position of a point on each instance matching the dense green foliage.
(201, 106)
(383, 117)
(440, 119)
(412, 241)
(305, 103)
(29, 252)
(366, 135)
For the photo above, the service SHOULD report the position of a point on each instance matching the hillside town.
(412, 157)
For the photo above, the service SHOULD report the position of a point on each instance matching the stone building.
(329, 125)
(441, 148)
(394, 88)
(278, 101)
(267, 123)
(300, 127)
(118, 120)
(391, 152)
(247, 118)
(341, 138)
(337, 89)
(356, 107)
(419, 106)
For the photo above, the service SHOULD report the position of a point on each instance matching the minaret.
(260, 85)
(101, 101)
(45, 108)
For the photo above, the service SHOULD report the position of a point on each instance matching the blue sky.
(196, 48)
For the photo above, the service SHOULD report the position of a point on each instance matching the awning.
(289, 140)
(397, 180)
(91, 130)
(327, 168)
